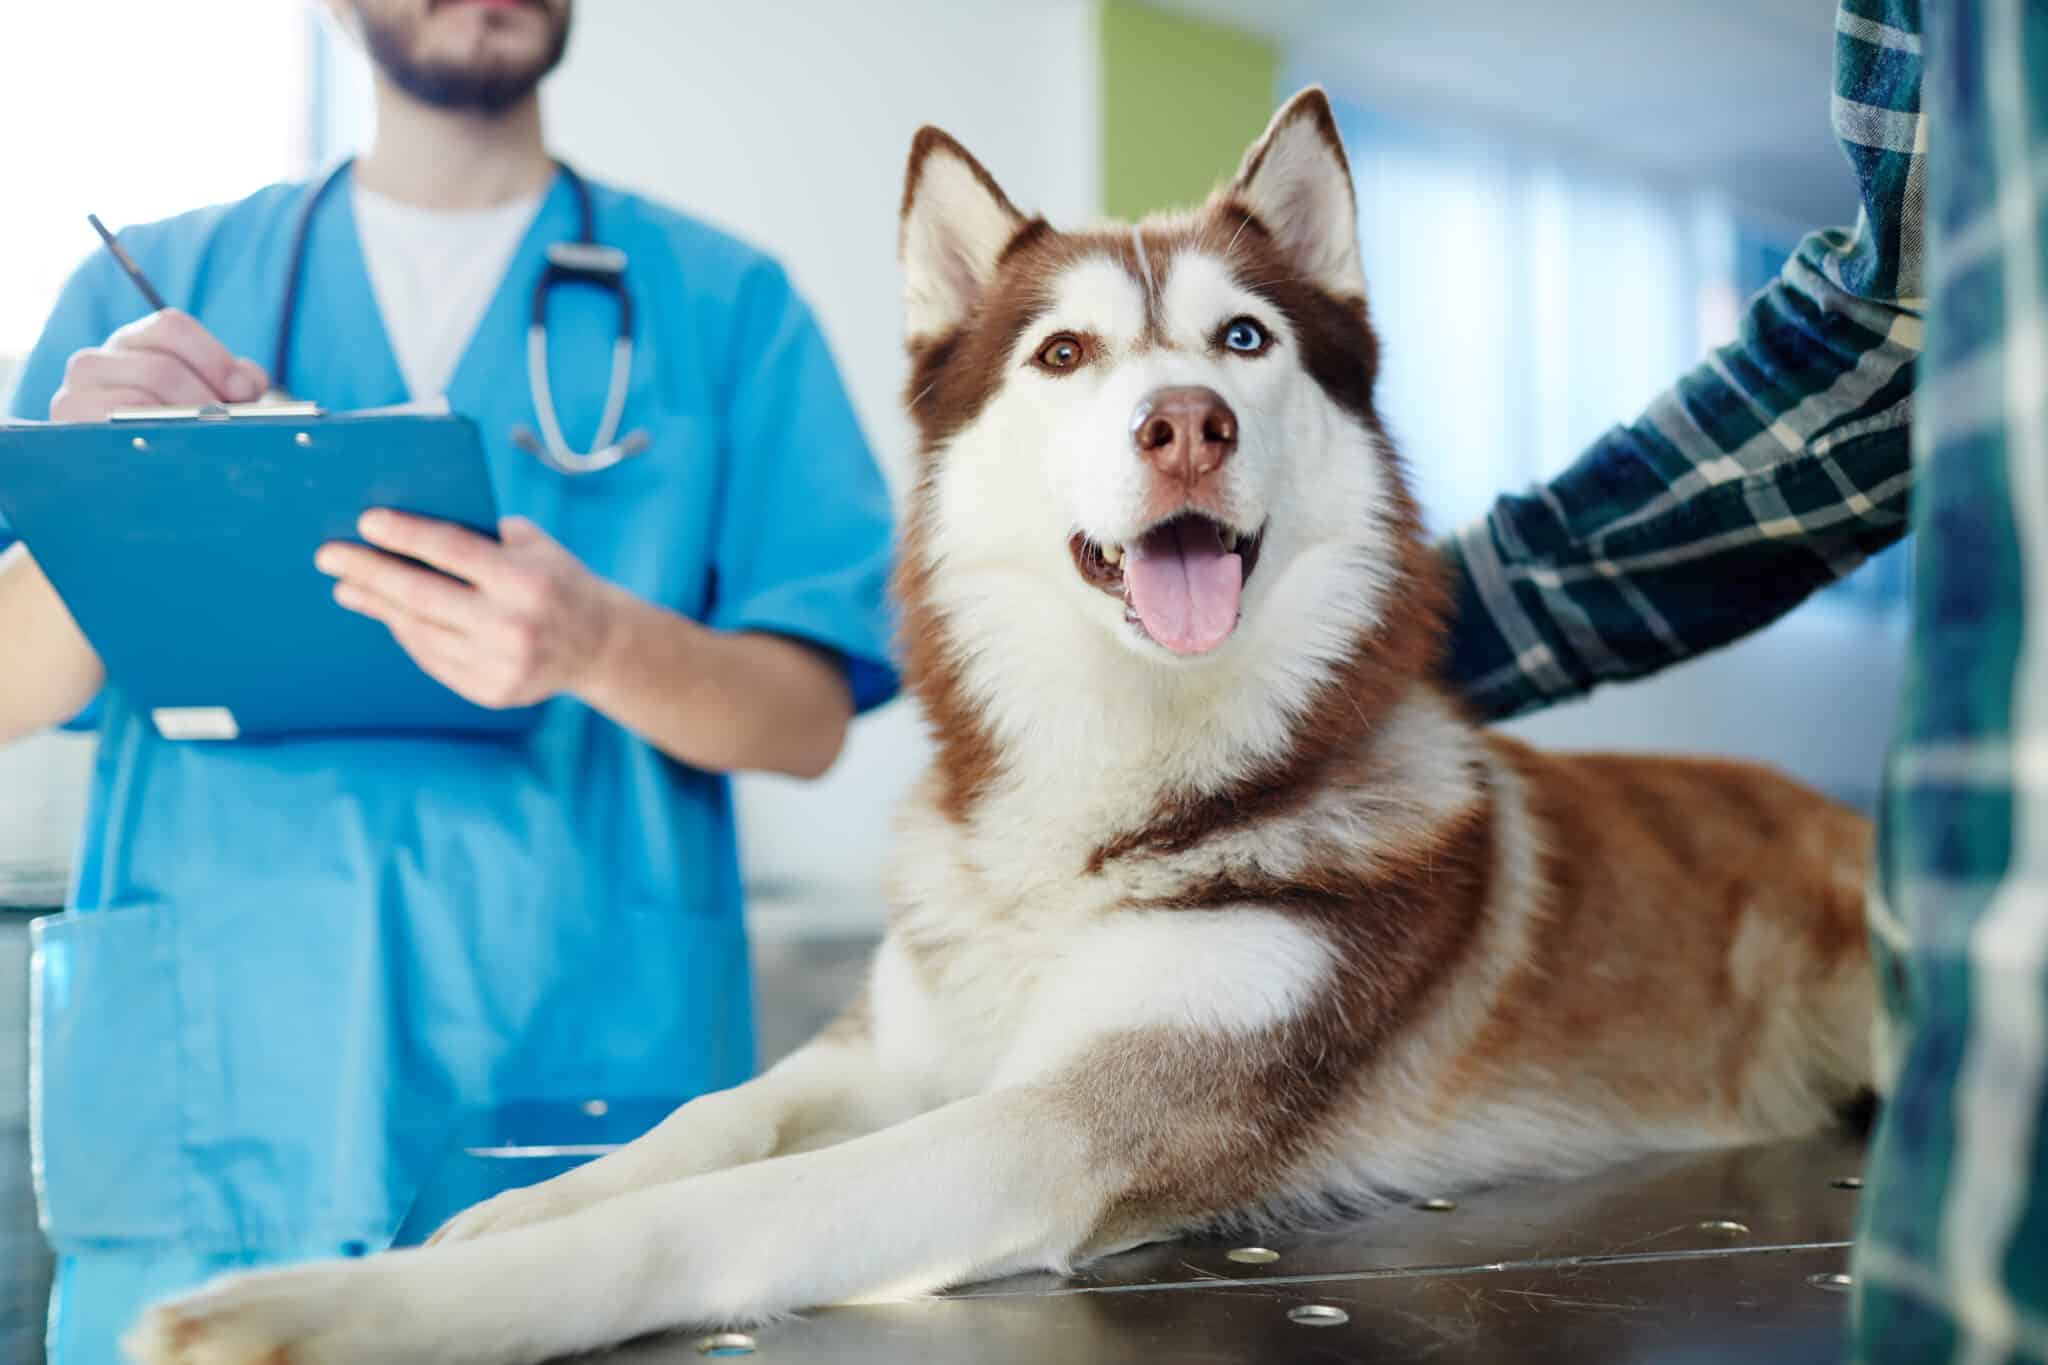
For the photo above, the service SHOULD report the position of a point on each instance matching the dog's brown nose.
(1186, 432)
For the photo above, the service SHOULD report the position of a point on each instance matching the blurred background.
(1561, 208)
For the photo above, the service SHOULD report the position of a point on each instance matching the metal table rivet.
(597, 1109)
(726, 1344)
(1848, 1182)
(303, 439)
(1438, 1205)
(1727, 1225)
(1837, 1281)
(139, 443)
(1318, 1315)
(1252, 1255)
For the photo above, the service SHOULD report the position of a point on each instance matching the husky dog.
(1213, 908)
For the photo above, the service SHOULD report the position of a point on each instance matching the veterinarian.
(1778, 467)
(288, 966)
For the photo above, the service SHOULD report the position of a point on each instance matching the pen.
(273, 394)
(156, 300)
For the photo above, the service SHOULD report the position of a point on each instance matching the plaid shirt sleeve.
(1951, 1261)
(1773, 468)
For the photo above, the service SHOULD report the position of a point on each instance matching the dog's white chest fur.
(1039, 976)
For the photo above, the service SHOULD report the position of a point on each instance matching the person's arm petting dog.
(1775, 467)
(516, 622)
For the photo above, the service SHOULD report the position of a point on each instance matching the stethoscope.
(584, 261)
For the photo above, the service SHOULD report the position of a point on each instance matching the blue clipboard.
(183, 547)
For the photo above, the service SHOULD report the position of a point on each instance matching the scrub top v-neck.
(433, 273)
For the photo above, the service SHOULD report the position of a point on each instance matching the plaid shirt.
(1772, 469)
(1952, 1257)
(1777, 465)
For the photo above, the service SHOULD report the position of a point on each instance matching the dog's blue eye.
(1246, 336)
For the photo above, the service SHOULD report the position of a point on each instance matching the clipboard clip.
(215, 412)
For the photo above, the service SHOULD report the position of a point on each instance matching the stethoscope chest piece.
(590, 265)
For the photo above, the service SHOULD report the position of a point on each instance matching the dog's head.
(1160, 434)
(1180, 410)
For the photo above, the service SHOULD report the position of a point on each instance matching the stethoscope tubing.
(586, 263)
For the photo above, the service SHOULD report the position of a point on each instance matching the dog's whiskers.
(1242, 223)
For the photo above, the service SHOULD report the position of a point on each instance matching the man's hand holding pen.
(163, 360)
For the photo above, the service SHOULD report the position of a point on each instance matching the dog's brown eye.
(1062, 352)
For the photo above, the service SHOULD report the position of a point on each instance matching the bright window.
(1526, 303)
(135, 110)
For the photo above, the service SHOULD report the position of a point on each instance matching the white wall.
(788, 123)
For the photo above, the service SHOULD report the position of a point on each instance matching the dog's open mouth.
(1180, 582)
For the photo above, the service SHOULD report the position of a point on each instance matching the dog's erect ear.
(956, 222)
(1297, 183)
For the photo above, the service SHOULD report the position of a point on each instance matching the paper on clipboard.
(416, 407)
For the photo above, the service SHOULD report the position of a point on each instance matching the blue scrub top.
(289, 966)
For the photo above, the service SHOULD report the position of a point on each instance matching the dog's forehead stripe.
(1145, 280)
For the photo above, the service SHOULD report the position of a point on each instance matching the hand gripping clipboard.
(182, 542)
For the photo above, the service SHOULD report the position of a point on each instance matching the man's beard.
(459, 89)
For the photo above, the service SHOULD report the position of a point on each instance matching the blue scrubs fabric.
(289, 966)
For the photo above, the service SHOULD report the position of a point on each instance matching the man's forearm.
(719, 700)
(47, 670)
(1775, 466)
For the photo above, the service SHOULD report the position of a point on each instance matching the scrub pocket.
(104, 1075)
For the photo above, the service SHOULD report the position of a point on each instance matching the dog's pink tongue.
(1184, 587)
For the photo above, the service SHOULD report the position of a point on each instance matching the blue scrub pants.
(99, 1293)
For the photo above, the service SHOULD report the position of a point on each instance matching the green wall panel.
(1181, 100)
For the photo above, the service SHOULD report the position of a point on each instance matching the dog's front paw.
(504, 1212)
(311, 1315)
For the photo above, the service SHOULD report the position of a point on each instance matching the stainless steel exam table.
(1721, 1256)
